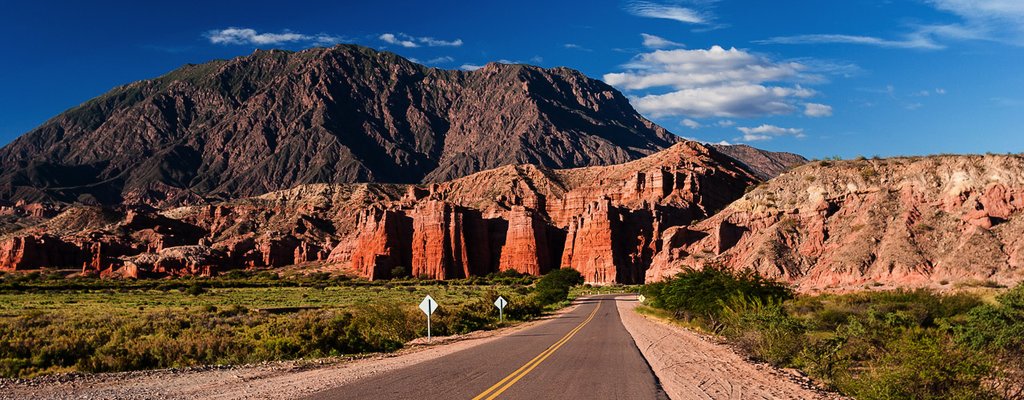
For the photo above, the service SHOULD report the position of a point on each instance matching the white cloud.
(658, 42)
(725, 123)
(431, 42)
(768, 132)
(392, 39)
(246, 36)
(994, 20)
(664, 11)
(575, 46)
(910, 42)
(940, 91)
(730, 101)
(440, 60)
(470, 67)
(1000, 20)
(713, 83)
(817, 110)
(401, 39)
(700, 68)
(689, 123)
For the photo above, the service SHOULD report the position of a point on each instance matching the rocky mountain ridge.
(275, 119)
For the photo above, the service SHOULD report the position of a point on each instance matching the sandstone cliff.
(604, 221)
(764, 164)
(905, 222)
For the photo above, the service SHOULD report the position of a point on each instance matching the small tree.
(399, 272)
(554, 287)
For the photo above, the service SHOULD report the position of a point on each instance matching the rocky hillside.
(275, 120)
(603, 221)
(942, 222)
(765, 164)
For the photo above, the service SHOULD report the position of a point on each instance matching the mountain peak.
(275, 119)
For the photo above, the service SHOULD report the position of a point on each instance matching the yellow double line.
(514, 377)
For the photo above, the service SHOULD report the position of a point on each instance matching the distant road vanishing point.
(583, 354)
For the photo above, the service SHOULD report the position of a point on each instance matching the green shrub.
(554, 286)
(762, 328)
(399, 272)
(701, 293)
(922, 364)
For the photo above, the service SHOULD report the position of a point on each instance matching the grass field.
(50, 324)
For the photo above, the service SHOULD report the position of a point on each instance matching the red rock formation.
(590, 246)
(380, 243)
(905, 222)
(605, 221)
(526, 248)
(33, 252)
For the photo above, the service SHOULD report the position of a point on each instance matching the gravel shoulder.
(276, 380)
(690, 366)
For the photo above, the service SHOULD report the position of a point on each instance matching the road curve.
(582, 354)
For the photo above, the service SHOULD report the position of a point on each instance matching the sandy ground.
(272, 380)
(690, 366)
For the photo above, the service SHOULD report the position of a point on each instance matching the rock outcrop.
(764, 164)
(940, 222)
(604, 221)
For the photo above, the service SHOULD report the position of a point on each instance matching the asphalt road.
(583, 354)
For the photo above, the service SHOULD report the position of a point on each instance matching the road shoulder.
(691, 367)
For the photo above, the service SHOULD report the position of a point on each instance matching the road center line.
(518, 374)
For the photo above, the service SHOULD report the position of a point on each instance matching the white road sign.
(641, 298)
(428, 305)
(501, 303)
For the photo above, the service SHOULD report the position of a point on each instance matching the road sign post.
(428, 305)
(501, 303)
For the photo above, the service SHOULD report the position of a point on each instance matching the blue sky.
(819, 78)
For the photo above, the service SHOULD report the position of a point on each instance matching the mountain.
(765, 164)
(275, 119)
(604, 221)
(940, 222)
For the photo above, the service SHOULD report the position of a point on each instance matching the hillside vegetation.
(872, 345)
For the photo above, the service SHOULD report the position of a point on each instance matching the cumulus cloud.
(246, 36)
(745, 101)
(716, 82)
(403, 40)
(700, 68)
(392, 39)
(666, 11)
(768, 132)
(689, 123)
(817, 110)
(658, 42)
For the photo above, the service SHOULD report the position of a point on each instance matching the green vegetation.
(51, 324)
(871, 345)
(554, 286)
